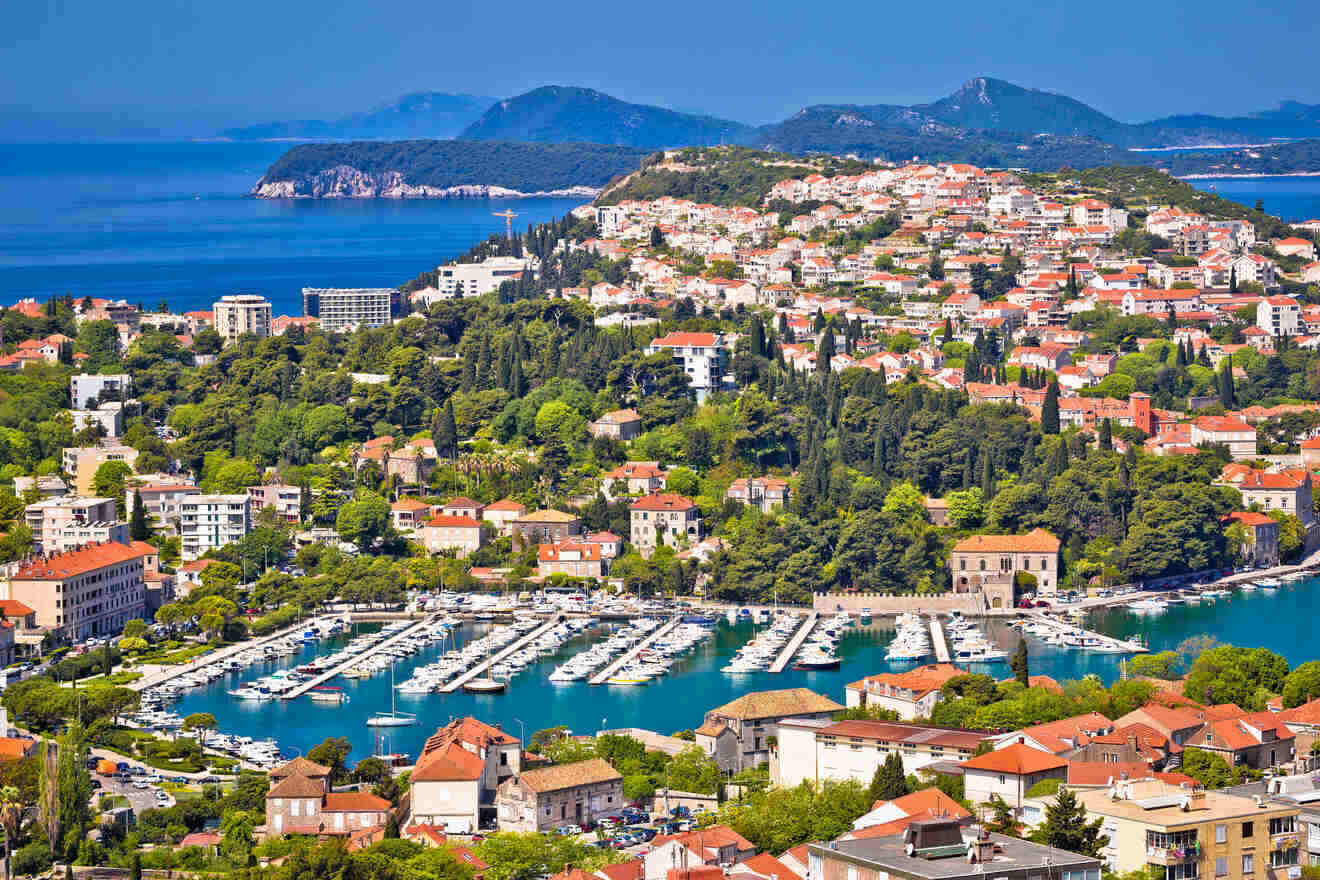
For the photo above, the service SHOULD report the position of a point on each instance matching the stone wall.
(891, 603)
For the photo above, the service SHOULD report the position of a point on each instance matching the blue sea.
(1293, 199)
(146, 222)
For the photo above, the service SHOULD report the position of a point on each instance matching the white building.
(457, 773)
(84, 388)
(109, 417)
(704, 357)
(1280, 316)
(347, 308)
(210, 521)
(474, 279)
(53, 520)
(811, 750)
(242, 313)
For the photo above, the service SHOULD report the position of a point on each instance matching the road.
(138, 798)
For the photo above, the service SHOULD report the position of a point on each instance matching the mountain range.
(419, 115)
(986, 112)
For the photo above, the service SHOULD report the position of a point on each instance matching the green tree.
(889, 781)
(1302, 684)
(1049, 411)
(363, 519)
(236, 841)
(967, 507)
(1066, 827)
(444, 431)
(1019, 664)
(1229, 674)
(1163, 664)
(201, 723)
(1209, 769)
(906, 502)
(332, 752)
(108, 481)
(139, 529)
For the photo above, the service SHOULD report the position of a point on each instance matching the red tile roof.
(1017, 759)
(1035, 541)
(75, 562)
(664, 501)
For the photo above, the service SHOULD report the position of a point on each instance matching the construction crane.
(508, 222)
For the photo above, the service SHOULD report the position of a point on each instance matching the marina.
(518, 644)
(677, 700)
(609, 671)
(937, 639)
(380, 647)
(794, 643)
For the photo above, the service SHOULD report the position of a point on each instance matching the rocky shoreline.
(347, 182)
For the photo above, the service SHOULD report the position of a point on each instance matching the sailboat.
(391, 718)
(487, 684)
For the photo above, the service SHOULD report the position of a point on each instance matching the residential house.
(1280, 316)
(562, 794)
(409, 514)
(445, 532)
(1262, 546)
(458, 772)
(717, 846)
(633, 478)
(995, 560)
(1232, 432)
(619, 424)
(285, 500)
(1009, 772)
(666, 518)
(545, 527)
(576, 559)
(737, 735)
(503, 514)
(912, 693)
(815, 750)
(763, 493)
(300, 801)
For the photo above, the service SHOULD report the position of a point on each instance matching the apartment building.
(458, 772)
(285, 500)
(347, 308)
(80, 462)
(87, 389)
(91, 591)
(207, 522)
(53, 518)
(912, 693)
(569, 558)
(162, 502)
(474, 279)
(703, 356)
(817, 750)
(109, 417)
(1280, 316)
(241, 314)
(1192, 833)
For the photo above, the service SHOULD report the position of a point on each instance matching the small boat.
(626, 679)
(484, 686)
(392, 718)
(866, 615)
(813, 663)
(328, 695)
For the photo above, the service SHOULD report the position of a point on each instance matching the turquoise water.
(1282, 622)
(1293, 199)
(170, 221)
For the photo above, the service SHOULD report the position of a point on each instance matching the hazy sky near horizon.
(244, 60)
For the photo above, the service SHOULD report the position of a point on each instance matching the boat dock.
(509, 649)
(615, 665)
(791, 649)
(937, 640)
(1112, 645)
(322, 678)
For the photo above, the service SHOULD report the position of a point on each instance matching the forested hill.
(566, 113)
(434, 168)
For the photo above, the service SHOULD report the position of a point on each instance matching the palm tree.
(11, 811)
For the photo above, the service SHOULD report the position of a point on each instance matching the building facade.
(208, 522)
(347, 308)
(92, 591)
(982, 559)
(664, 518)
(564, 794)
(814, 751)
(738, 734)
(241, 314)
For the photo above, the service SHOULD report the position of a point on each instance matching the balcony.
(1172, 855)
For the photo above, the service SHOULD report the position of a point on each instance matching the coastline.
(353, 184)
(1246, 176)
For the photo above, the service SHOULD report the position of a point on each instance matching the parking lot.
(142, 788)
(632, 830)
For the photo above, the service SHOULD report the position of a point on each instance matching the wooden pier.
(795, 643)
(615, 665)
(323, 677)
(937, 640)
(508, 650)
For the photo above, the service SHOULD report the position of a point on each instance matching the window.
(1221, 866)
(1221, 833)
(1247, 829)
(1283, 857)
(1248, 863)
(1283, 825)
(1001, 779)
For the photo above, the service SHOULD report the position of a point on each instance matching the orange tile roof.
(1102, 772)
(300, 766)
(664, 501)
(920, 681)
(15, 608)
(1017, 759)
(445, 521)
(679, 338)
(296, 786)
(1068, 733)
(561, 776)
(506, 504)
(354, 802)
(1034, 541)
(928, 800)
(61, 566)
(766, 865)
(450, 763)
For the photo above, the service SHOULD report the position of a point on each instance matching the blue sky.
(244, 60)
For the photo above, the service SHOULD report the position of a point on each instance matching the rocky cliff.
(347, 182)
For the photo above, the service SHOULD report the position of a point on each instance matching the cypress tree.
(485, 363)
(468, 379)
(878, 455)
(757, 340)
(1049, 411)
(1226, 390)
(1018, 663)
(969, 470)
(138, 529)
(825, 352)
(1232, 280)
(444, 431)
(987, 477)
(948, 329)
(1202, 357)
(1106, 437)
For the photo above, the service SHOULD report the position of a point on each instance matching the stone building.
(564, 794)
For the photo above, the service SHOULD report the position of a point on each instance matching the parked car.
(141, 783)
(569, 829)
(646, 834)
(122, 766)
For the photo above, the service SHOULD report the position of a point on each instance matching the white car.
(154, 779)
(141, 783)
(162, 797)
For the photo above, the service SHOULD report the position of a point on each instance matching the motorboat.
(328, 695)
(484, 686)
